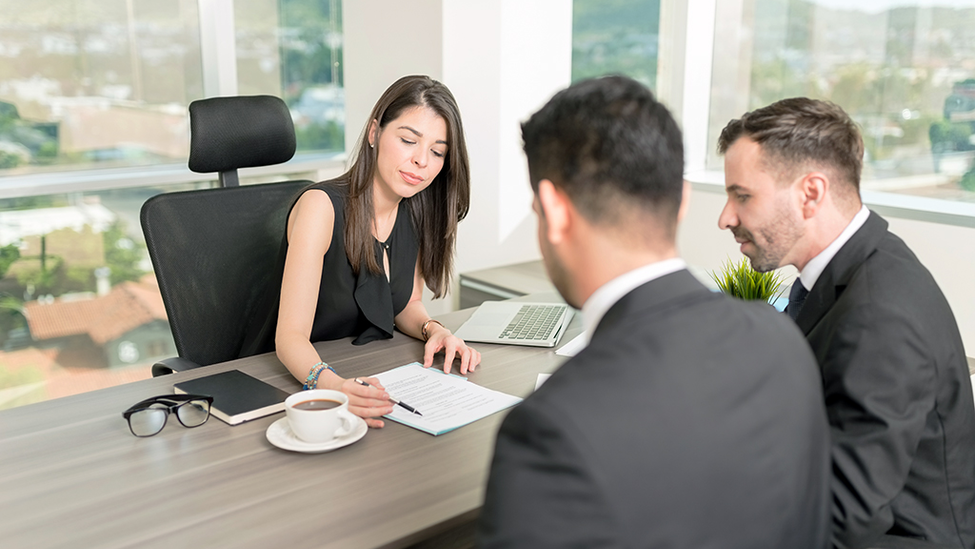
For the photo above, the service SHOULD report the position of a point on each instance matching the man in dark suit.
(898, 394)
(691, 419)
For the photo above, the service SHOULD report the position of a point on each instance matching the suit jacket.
(898, 395)
(691, 420)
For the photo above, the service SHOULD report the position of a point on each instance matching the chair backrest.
(214, 252)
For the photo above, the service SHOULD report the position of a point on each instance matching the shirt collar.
(609, 293)
(810, 273)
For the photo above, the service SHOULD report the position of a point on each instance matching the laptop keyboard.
(535, 322)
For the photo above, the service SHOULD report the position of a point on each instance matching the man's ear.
(813, 188)
(685, 201)
(555, 208)
(371, 134)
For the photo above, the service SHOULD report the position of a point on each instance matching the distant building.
(16, 225)
(67, 239)
(128, 325)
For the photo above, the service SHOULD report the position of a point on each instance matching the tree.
(122, 254)
(8, 255)
(11, 315)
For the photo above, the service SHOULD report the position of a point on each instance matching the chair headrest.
(227, 133)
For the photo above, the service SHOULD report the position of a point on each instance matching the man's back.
(897, 392)
(691, 420)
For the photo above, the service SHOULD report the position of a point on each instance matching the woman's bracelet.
(311, 382)
(423, 329)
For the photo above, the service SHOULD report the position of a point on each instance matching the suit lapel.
(840, 270)
(674, 289)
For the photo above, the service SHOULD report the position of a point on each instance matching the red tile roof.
(44, 360)
(127, 306)
(59, 379)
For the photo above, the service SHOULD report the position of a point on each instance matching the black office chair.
(214, 250)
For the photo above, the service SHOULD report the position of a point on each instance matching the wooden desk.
(71, 474)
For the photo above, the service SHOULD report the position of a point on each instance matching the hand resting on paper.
(441, 339)
(369, 403)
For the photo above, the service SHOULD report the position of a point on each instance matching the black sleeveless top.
(349, 304)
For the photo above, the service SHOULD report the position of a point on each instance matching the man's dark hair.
(798, 131)
(607, 143)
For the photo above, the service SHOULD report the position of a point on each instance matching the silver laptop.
(517, 323)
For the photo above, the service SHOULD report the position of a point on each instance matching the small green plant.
(738, 279)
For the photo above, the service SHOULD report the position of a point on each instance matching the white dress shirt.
(608, 294)
(810, 273)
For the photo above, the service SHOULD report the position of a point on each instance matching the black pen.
(393, 400)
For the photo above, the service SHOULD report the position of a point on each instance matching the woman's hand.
(442, 340)
(368, 403)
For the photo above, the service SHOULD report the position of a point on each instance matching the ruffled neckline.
(373, 294)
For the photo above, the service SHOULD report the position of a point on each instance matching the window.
(293, 49)
(76, 292)
(86, 84)
(905, 71)
(615, 38)
(93, 96)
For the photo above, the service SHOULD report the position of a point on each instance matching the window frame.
(101, 179)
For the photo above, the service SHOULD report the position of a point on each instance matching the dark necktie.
(796, 297)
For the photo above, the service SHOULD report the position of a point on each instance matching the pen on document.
(393, 400)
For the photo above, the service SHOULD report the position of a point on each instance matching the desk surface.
(72, 474)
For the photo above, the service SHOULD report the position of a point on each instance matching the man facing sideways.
(895, 378)
(691, 419)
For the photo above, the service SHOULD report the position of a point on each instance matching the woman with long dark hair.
(360, 248)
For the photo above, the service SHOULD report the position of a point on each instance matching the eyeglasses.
(148, 417)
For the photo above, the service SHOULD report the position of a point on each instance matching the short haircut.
(608, 143)
(799, 132)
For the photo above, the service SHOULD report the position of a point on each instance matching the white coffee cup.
(319, 415)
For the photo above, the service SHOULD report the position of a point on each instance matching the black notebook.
(237, 397)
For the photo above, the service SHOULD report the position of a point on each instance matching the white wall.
(384, 40)
(503, 59)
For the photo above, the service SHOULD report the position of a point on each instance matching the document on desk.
(447, 401)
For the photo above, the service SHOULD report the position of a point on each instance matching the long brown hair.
(436, 210)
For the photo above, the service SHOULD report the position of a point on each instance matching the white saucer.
(279, 434)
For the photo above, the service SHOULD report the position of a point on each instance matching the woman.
(360, 248)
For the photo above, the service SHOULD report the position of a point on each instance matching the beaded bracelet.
(311, 381)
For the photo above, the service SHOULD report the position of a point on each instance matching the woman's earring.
(372, 145)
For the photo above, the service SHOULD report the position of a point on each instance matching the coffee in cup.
(319, 415)
(318, 404)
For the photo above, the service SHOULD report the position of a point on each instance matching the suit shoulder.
(892, 277)
(754, 322)
(714, 332)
